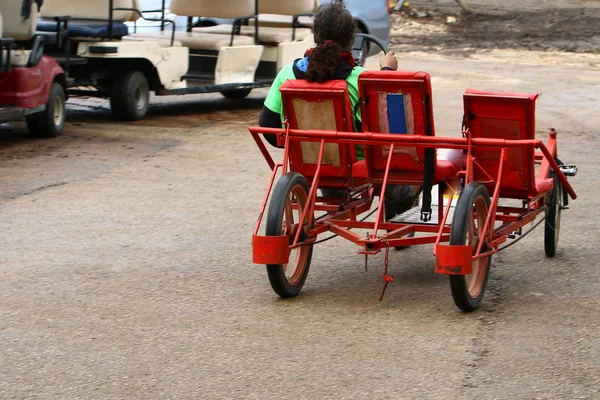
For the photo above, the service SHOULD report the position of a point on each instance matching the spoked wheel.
(554, 206)
(288, 202)
(469, 219)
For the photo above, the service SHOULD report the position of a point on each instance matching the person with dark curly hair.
(334, 29)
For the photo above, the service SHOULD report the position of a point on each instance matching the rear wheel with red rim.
(288, 202)
(469, 219)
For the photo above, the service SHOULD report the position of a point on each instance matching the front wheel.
(554, 206)
(470, 215)
(289, 200)
(50, 122)
(130, 96)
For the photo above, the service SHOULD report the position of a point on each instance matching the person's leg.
(399, 199)
(329, 192)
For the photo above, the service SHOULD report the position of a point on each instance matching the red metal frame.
(340, 218)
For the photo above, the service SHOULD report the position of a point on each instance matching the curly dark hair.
(334, 29)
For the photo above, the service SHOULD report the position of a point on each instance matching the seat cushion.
(287, 7)
(163, 42)
(281, 21)
(213, 8)
(13, 24)
(445, 169)
(198, 41)
(448, 164)
(543, 185)
(265, 34)
(89, 29)
(91, 9)
(18, 58)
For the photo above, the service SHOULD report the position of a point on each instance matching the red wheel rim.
(476, 279)
(294, 269)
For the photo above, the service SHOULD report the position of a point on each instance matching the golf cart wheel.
(50, 122)
(554, 206)
(236, 94)
(469, 219)
(130, 96)
(288, 201)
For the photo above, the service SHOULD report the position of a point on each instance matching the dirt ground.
(126, 271)
(442, 27)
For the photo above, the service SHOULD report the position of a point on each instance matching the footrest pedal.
(568, 170)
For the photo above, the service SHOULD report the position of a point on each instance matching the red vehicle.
(32, 86)
(505, 179)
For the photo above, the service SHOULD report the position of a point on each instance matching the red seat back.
(503, 116)
(322, 106)
(396, 102)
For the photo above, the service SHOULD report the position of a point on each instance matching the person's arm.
(270, 116)
(389, 62)
(270, 119)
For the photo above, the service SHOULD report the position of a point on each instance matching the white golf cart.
(103, 59)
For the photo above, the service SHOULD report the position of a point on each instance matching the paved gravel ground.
(126, 272)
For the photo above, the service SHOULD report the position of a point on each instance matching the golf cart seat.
(163, 40)
(17, 27)
(266, 34)
(505, 116)
(269, 34)
(193, 40)
(88, 19)
(206, 8)
(85, 29)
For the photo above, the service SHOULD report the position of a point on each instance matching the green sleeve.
(352, 81)
(273, 100)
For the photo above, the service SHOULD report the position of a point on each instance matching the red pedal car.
(503, 176)
(32, 86)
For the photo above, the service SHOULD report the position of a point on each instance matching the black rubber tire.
(554, 205)
(50, 122)
(473, 193)
(281, 284)
(236, 94)
(130, 96)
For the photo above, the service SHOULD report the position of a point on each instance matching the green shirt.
(273, 100)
